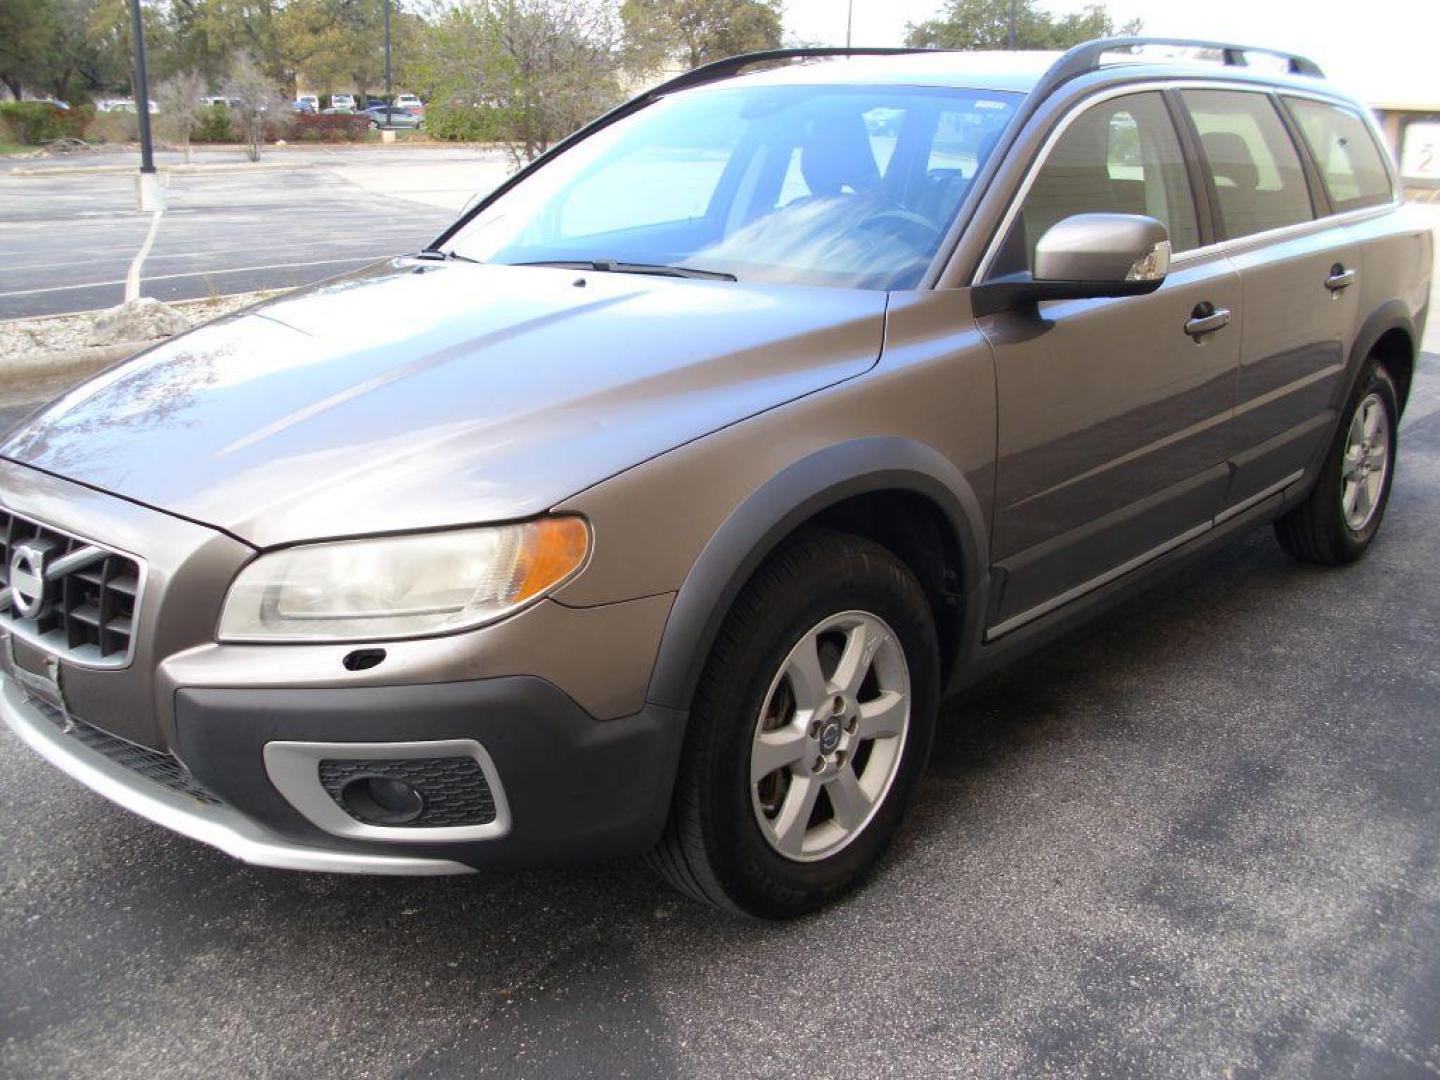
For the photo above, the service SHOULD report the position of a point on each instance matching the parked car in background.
(342, 101)
(656, 505)
(411, 102)
(308, 103)
(121, 105)
(393, 117)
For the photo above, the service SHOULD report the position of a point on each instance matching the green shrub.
(214, 127)
(35, 123)
(465, 123)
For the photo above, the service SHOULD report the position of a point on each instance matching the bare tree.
(181, 110)
(256, 102)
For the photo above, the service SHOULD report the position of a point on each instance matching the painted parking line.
(203, 273)
(132, 276)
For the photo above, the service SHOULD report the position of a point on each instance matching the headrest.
(837, 155)
(1230, 159)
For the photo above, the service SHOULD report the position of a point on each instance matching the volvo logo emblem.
(27, 581)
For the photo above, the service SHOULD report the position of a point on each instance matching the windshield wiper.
(436, 255)
(611, 266)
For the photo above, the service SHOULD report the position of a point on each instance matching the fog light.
(382, 800)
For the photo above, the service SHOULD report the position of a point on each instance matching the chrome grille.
(90, 594)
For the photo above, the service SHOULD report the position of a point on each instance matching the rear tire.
(827, 669)
(1340, 517)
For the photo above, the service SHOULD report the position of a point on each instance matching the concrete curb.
(217, 167)
(35, 378)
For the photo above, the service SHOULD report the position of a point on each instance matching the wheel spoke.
(776, 750)
(1349, 497)
(1370, 419)
(807, 681)
(861, 645)
(1362, 501)
(882, 718)
(849, 801)
(794, 816)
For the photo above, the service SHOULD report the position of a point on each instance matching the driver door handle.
(1206, 319)
(1340, 278)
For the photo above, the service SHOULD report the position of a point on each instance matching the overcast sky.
(1383, 50)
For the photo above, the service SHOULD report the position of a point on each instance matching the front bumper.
(577, 789)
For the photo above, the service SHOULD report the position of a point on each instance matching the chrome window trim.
(294, 769)
(992, 250)
(37, 641)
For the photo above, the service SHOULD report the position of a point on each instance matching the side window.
(1122, 157)
(1255, 166)
(1350, 162)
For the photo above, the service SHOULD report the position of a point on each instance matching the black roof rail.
(733, 65)
(1085, 58)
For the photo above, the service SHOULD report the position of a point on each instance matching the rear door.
(1296, 270)
(1113, 416)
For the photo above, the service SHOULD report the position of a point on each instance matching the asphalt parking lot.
(67, 240)
(1199, 838)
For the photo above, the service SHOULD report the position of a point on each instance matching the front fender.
(776, 509)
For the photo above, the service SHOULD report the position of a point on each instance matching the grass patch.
(12, 148)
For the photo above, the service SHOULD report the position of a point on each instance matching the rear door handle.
(1206, 319)
(1339, 278)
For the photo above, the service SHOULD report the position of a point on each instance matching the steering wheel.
(916, 229)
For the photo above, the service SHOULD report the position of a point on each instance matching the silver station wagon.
(658, 504)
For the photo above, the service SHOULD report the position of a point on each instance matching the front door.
(1113, 414)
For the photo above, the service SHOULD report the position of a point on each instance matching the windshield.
(815, 185)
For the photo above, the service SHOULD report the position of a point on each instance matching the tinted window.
(1121, 156)
(1255, 165)
(824, 185)
(1350, 162)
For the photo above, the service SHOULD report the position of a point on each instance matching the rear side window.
(1350, 162)
(1122, 157)
(1255, 166)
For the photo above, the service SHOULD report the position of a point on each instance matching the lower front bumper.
(578, 789)
(211, 823)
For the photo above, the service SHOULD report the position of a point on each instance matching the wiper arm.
(610, 266)
(436, 255)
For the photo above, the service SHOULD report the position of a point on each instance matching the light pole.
(389, 118)
(849, 19)
(1012, 25)
(147, 186)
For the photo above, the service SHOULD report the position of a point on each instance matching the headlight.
(401, 586)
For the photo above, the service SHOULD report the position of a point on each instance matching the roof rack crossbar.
(1085, 58)
(733, 65)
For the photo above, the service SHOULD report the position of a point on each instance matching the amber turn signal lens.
(553, 550)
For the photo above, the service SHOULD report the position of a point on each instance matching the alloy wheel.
(830, 736)
(1366, 464)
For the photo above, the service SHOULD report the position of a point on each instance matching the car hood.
(418, 394)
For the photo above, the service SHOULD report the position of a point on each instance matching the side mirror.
(1083, 257)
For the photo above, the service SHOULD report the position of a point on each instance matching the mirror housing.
(1082, 257)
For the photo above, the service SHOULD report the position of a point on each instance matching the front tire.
(1340, 517)
(810, 729)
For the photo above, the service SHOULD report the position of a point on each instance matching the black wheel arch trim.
(784, 503)
(1391, 315)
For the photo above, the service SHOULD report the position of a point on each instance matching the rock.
(144, 319)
